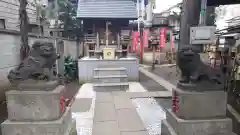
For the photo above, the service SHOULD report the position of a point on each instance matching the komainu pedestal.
(35, 106)
(199, 113)
(37, 113)
(199, 103)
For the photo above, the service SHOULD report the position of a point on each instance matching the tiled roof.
(107, 9)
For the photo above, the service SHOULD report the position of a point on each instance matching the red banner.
(163, 32)
(134, 41)
(145, 37)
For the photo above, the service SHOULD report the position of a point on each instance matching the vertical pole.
(118, 41)
(189, 18)
(142, 9)
(153, 62)
(58, 62)
(138, 14)
(57, 9)
(141, 46)
(97, 38)
(149, 13)
(138, 21)
(141, 32)
(106, 33)
(202, 20)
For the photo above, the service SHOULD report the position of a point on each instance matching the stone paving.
(117, 116)
(115, 112)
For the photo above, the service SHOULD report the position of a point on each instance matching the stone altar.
(87, 65)
(35, 106)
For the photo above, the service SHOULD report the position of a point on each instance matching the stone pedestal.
(37, 113)
(200, 105)
(198, 113)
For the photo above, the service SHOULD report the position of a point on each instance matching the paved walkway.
(116, 113)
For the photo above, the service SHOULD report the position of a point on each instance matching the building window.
(2, 24)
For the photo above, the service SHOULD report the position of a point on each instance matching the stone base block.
(32, 85)
(34, 105)
(167, 129)
(63, 126)
(199, 127)
(201, 105)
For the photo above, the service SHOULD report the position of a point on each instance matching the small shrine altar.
(111, 60)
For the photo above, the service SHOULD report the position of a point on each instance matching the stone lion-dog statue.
(38, 64)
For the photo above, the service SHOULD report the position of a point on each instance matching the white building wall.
(9, 10)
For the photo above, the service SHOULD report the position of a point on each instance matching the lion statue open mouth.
(37, 66)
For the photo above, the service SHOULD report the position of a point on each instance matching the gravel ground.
(149, 84)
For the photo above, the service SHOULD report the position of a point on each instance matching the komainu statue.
(36, 67)
(197, 75)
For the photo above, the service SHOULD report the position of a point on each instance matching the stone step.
(110, 87)
(215, 126)
(111, 79)
(110, 71)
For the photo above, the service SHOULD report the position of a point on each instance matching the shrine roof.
(125, 9)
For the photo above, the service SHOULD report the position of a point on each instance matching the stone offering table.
(87, 65)
(37, 113)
